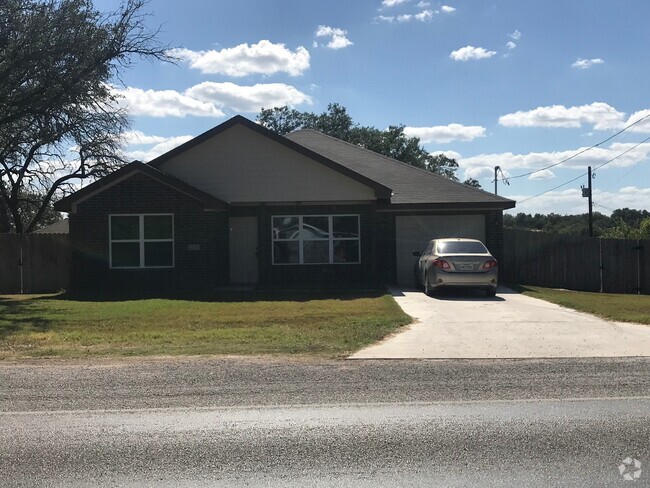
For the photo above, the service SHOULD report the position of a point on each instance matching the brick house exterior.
(171, 224)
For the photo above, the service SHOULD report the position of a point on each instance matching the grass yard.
(623, 308)
(236, 323)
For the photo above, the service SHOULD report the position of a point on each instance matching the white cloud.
(264, 58)
(338, 37)
(545, 174)
(450, 154)
(599, 115)
(139, 138)
(535, 160)
(445, 133)
(468, 53)
(479, 172)
(163, 145)
(447, 9)
(208, 99)
(164, 103)
(392, 3)
(424, 16)
(248, 98)
(423, 4)
(570, 201)
(511, 45)
(586, 63)
(515, 36)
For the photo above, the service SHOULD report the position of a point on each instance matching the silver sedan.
(455, 262)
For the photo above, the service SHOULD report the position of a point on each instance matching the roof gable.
(67, 204)
(381, 191)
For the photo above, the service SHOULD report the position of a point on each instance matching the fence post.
(600, 253)
(21, 264)
(638, 248)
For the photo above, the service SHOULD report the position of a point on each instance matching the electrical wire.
(583, 174)
(554, 188)
(582, 151)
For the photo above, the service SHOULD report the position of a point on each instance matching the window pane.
(346, 226)
(286, 252)
(125, 254)
(346, 251)
(461, 248)
(125, 227)
(158, 254)
(158, 227)
(316, 252)
(315, 228)
(285, 227)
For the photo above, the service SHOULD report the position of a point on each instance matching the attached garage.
(412, 232)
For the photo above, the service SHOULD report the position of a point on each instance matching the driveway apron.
(510, 325)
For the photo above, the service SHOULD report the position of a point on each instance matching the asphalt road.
(215, 422)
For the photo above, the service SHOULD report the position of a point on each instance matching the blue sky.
(518, 84)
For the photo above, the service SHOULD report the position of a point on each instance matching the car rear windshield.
(461, 248)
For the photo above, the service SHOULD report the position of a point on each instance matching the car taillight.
(442, 264)
(490, 264)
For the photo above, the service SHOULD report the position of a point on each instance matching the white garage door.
(414, 231)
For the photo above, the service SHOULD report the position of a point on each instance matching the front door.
(243, 250)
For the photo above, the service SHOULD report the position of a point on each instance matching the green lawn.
(236, 323)
(623, 308)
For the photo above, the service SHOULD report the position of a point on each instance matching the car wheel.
(491, 292)
(428, 289)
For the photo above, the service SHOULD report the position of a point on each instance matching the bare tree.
(60, 121)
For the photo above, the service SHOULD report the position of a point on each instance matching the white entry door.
(243, 250)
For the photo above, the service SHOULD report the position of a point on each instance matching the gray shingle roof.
(410, 185)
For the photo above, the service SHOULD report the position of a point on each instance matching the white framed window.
(316, 239)
(141, 240)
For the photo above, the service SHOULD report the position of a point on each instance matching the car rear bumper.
(488, 279)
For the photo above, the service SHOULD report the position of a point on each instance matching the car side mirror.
(417, 254)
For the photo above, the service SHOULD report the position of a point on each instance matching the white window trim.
(330, 239)
(141, 240)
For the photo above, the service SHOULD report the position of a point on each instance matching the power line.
(604, 206)
(623, 153)
(582, 151)
(583, 174)
(554, 188)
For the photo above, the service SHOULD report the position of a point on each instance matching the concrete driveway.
(466, 325)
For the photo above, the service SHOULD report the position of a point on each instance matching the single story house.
(241, 204)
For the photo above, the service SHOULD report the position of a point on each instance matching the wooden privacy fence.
(34, 263)
(576, 262)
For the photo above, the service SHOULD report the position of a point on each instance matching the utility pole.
(496, 169)
(591, 205)
(587, 192)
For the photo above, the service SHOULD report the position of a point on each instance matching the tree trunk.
(5, 223)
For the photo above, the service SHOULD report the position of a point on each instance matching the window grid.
(330, 239)
(141, 240)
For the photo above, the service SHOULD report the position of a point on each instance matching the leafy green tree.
(644, 228)
(630, 216)
(58, 59)
(336, 122)
(472, 182)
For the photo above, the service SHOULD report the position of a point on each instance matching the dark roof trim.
(391, 207)
(381, 191)
(210, 202)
